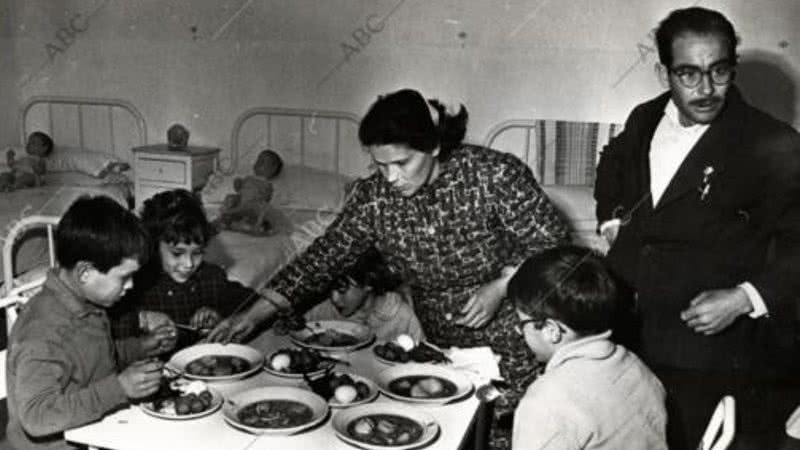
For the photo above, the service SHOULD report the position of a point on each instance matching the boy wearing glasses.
(700, 200)
(593, 393)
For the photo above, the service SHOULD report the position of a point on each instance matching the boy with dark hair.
(62, 366)
(593, 393)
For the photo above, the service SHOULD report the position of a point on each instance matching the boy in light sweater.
(593, 393)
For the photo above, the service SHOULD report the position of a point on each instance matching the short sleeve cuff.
(759, 307)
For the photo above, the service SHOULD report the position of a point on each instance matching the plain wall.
(202, 62)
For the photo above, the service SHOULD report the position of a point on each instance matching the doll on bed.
(27, 171)
(246, 209)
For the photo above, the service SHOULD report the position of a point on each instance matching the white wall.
(202, 62)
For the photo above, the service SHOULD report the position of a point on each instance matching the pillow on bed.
(90, 162)
(297, 187)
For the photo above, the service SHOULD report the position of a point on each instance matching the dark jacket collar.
(720, 138)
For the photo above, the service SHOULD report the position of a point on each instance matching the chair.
(720, 430)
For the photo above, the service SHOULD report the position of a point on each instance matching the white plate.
(325, 365)
(362, 333)
(373, 392)
(319, 407)
(180, 360)
(216, 403)
(430, 428)
(462, 383)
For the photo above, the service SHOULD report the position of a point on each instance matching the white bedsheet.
(253, 260)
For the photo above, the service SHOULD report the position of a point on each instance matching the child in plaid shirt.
(177, 281)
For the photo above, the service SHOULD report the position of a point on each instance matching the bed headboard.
(326, 140)
(559, 152)
(102, 124)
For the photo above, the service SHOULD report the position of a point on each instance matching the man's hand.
(204, 319)
(141, 378)
(713, 311)
(484, 303)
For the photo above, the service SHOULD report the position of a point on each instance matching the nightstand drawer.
(152, 169)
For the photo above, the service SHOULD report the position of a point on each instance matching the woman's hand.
(232, 329)
(204, 319)
(483, 304)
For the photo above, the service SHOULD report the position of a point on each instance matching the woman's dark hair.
(100, 231)
(403, 117)
(570, 284)
(176, 217)
(693, 20)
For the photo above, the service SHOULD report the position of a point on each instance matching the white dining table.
(132, 429)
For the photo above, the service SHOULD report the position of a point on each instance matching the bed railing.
(83, 107)
(15, 295)
(306, 123)
(559, 152)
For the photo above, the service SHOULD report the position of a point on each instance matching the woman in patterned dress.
(451, 219)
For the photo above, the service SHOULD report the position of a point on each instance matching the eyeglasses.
(520, 326)
(690, 77)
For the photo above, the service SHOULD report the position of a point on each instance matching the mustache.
(708, 101)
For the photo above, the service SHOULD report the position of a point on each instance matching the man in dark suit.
(700, 198)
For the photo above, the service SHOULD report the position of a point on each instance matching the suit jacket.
(746, 228)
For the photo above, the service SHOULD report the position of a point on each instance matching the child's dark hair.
(372, 271)
(46, 140)
(404, 118)
(100, 231)
(176, 217)
(570, 284)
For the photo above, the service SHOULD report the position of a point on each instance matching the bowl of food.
(405, 349)
(333, 335)
(424, 383)
(216, 362)
(343, 389)
(381, 426)
(296, 362)
(182, 400)
(281, 410)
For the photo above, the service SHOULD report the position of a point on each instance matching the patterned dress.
(483, 212)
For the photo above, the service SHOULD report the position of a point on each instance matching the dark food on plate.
(423, 352)
(217, 366)
(303, 360)
(384, 429)
(275, 414)
(422, 386)
(341, 387)
(173, 402)
(331, 338)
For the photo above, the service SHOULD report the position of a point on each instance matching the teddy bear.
(246, 209)
(29, 170)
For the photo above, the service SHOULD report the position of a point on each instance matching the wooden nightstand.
(159, 169)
